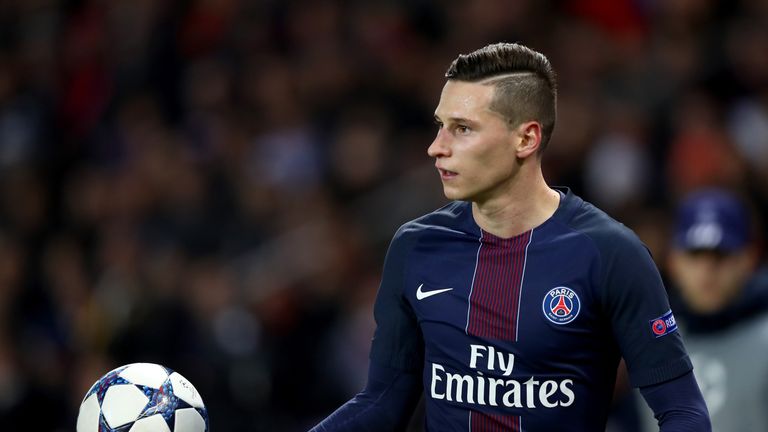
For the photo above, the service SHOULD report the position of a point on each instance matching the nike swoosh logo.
(421, 295)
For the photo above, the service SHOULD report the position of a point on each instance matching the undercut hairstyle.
(524, 81)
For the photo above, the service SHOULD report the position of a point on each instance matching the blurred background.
(212, 184)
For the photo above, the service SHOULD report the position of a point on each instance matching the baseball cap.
(712, 219)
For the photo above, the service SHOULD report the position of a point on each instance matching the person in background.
(723, 307)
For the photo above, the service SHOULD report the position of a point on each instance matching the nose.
(439, 146)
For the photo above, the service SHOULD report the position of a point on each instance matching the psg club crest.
(561, 305)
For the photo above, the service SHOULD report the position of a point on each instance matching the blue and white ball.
(142, 397)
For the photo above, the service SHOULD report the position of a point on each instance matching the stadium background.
(212, 184)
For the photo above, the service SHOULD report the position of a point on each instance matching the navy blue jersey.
(523, 333)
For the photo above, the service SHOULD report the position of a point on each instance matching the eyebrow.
(455, 119)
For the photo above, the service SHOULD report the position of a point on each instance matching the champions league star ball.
(142, 397)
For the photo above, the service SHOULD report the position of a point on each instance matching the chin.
(456, 195)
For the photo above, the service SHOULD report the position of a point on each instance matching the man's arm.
(678, 405)
(646, 332)
(386, 403)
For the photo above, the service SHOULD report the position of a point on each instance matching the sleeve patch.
(663, 325)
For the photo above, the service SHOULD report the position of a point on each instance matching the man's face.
(474, 148)
(709, 280)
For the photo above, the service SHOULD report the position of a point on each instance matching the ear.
(530, 139)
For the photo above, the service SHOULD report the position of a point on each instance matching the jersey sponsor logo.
(561, 305)
(421, 295)
(663, 325)
(494, 385)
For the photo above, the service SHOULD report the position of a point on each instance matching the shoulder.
(619, 253)
(451, 218)
(607, 234)
(445, 220)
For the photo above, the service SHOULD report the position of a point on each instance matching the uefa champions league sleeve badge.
(663, 325)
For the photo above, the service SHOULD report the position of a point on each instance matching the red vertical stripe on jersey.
(494, 423)
(493, 304)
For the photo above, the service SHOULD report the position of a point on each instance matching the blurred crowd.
(212, 184)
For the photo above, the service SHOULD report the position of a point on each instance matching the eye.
(462, 129)
(439, 124)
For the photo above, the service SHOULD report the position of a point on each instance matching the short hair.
(526, 88)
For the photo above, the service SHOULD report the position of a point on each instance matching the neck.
(523, 204)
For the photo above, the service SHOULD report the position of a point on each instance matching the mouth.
(446, 174)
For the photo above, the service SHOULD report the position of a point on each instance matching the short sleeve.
(635, 298)
(397, 341)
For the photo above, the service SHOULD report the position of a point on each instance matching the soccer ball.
(142, 397)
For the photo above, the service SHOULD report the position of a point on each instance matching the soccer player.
(510, 307)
